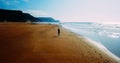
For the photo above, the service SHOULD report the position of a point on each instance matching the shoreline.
(96, 44)
(102, 48)
(40, 43)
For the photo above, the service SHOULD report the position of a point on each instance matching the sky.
(105, 11)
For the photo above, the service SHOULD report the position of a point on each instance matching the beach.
(40, 43)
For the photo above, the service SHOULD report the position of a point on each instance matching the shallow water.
(106, 34)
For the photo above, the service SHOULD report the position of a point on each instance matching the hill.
(19, 16)
(15, 16)
(47, 19)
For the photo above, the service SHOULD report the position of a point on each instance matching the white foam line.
(102, 48)
(99, 46)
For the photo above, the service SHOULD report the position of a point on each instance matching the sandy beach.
(40, 43)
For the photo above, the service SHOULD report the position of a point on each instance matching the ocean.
(106, 34)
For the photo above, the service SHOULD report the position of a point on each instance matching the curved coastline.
(97, 45)
(102, 48)
(40, 43)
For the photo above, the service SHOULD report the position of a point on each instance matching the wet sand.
(40, 43)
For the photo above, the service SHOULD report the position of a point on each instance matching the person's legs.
(58, 32)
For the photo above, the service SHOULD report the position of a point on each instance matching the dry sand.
(39, 43)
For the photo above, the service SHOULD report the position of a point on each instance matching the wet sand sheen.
(30, 43)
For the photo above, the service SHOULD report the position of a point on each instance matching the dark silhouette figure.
(58, 32)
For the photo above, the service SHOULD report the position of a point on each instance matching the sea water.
(106, 34)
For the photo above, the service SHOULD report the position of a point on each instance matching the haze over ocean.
(105, 11)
